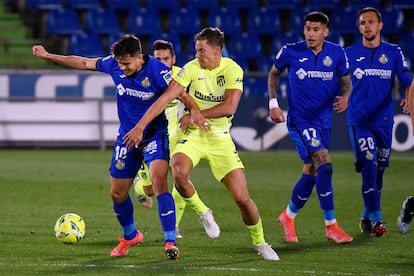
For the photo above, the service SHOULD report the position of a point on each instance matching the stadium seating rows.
(255, 29)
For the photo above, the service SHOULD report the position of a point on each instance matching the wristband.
(273, 103)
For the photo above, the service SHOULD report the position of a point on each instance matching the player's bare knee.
(118, 196)
(320, 158)
(243, 203)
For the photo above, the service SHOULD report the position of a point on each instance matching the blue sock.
(125, 214)
(365, 213)
(328, 214)
(302, 191)
(324, 187)
(376, 217)
(380, 183)
(166, 212)
(379, 180)
(369, 189)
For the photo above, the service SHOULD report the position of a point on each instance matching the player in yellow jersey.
(164, 51)
(215, 84)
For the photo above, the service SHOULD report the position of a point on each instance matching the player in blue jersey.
(373, 65)
(164, 51)
(316, 68)
(139, 80)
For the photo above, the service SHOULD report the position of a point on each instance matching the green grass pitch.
(37, 186)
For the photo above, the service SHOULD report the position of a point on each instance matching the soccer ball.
(70, 228)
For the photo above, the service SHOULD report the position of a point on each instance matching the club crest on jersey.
(220, 81)
(120, 164)
(327, 61)
(145, 82)
(383, 59)
(369, 156)
(315, 142)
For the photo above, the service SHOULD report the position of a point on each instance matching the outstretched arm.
(175, 90)
(75, 62)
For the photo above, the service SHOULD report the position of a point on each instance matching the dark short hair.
(370, 9)
(213, 35)
(161, 44)
(317, 16)
(128, 45)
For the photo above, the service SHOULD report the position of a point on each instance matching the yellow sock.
(256, 232)
(196, 204)
(179, 205)
(139, 187)
(143, 180)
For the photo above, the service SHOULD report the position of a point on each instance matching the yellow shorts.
(217, 148)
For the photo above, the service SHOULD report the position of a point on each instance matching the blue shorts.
(309, 139)
(126, 162)
(371, 145)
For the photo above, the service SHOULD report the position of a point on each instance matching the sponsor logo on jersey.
(167, 76)
(371, 72)
(302, 74)
(151, 147)
(144, 95)
(180, 74)
(209, 98)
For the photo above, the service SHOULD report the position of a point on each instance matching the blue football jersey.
(136, 93)
(373, 72)
(313, 81)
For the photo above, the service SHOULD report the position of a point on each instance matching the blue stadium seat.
(241, 4)
(296, 20)
(111, 39)
(393, 20)
(265, 63)
(44, 4)
(283, 38)
(174, 39)
(144, 21)
(365, 3)
(201, 4)
(62, 22)
(344, 21)
(245, 46)
(163, 5)
(83, 4)
(86, 44)
(406, 43)
(226, 19)
(102, 21)
(125, 5)
(336, 38)
(264, 21)
(402, 4)
(323, 4)
(184, 21)
(284, 4)
(255, 86)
